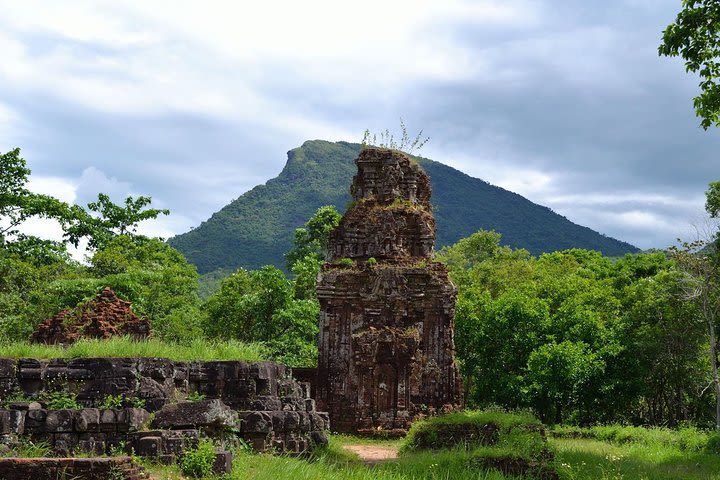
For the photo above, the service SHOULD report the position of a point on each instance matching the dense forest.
(574, 335)
(257, 228)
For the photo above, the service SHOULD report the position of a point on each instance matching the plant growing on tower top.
(386, 139)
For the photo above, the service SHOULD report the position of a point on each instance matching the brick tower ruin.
(386, 350)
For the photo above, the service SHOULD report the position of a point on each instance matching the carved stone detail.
(386, 326)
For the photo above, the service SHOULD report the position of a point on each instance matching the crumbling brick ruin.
(104, 316)
(258, 402)
(386, 350)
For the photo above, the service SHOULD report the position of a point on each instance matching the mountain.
(257, 228)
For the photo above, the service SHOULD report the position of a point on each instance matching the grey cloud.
(578, 94)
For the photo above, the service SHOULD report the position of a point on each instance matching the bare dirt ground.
(371, 454)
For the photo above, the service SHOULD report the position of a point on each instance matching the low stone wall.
(271, 409)
(57, 468)
(68, 431)
(241, 385)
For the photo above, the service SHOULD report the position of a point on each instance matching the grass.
(576, 459)
(28, 449)
(687, 438)
(580, 459)
(334, 463)
(517, 432)
(196, 349)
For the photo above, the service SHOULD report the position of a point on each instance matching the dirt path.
(372, 455)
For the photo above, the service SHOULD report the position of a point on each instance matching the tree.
(18, 204)
(712, 204)
(701, 285)
(110, 220)
(314, 237)
(695, 36)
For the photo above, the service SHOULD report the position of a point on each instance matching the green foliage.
(313, 239)
(195, 397)
(194, 349)
(108, 220)
(197, 462)
(18, 204)
(26, 448)
(62, 400)
(472, 429)
(576, 336)
(712, 204)
(120, 401)
(371, 262)
(261, 306)
(694, 37)
(713, 444)
(246, 302)
(257, 228)
(345, 263)
(689, 439)
(113, 401)
(306, 272)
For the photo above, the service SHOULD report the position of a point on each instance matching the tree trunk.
(713, 362)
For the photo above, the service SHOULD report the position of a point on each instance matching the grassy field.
(595, 459)
(197, 349)
(576, 459)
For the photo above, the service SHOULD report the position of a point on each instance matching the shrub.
(518, 432)
(345, 263)
(371, 262)
(113, 401)
(195, 397)
(713, 444)
(62, 400)
(198, 462)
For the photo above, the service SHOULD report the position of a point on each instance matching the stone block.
(131, 419)
(12, 422)
(223, 463)
(149, 446)
(255, 422)
(59, 421)
(292, 421)
(205, 414)
(278, 421)
(87, 420)
(318, 438)
(266, 402)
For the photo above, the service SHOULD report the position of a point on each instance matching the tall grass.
(689, 439)
(333, 464)
(196, 349)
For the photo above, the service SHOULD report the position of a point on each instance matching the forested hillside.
(256, 229)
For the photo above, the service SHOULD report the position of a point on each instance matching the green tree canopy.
(695, 36)
(313, 239)
(108, 220)
(17, 204)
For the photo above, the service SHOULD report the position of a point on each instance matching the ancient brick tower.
(386, 320)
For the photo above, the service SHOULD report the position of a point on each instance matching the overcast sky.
(565, 102)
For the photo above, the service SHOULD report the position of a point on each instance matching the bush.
(345, 263)
(198, 462)
(713, 444)
(113, 401)
(518, 432)
(62, 400)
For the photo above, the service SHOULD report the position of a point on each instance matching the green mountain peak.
(256, 229)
